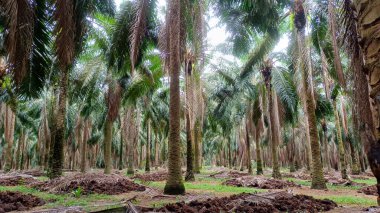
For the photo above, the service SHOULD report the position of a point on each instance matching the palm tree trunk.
(368, 19)
(274, 132)
(197, 145)
(174, 184)
(9, 126)
(326, 146)
(318, 181)
(147, 148)
(107, 146)
(189, 151)
(58, 137)
(19, 145)
(259, 164)
(131, 138)
(248, 143)
(342, 161)
(86, 136)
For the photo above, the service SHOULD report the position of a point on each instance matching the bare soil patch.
(369, 190)
(16, 201)
(14, 180)
(90, 183)
(155, 176)
(259, 203)
(260, 182)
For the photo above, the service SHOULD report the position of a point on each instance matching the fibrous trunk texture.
(318, 181)
(174, 184)
(368, 18)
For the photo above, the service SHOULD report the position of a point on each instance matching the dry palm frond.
(20, 23)
(139, 29)
(65, 30)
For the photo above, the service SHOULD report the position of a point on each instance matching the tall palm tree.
(368, 20)
(266, 71)
(318, 181)
(174, 183)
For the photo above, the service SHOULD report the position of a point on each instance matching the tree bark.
(174, 184)
(342, 161)
(107, 146)
(318, 181)
(368, 19)
(147, 147)
(58, 137)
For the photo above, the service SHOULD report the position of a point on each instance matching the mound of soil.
(228, 174)
(7, 180)
(16, 201)
(369, 190)
(90, 183)
(260, 203)
(261, 183)
(156, 176)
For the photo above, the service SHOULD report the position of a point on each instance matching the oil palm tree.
(367, 25)
(318, 181)
(174, 183)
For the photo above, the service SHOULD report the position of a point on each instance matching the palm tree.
(367, 25)
(174, 184)
(266, 71)
(318, 181)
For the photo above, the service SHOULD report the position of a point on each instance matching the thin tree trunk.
(189, 151)
(9, 124)
(107, 146)
(19, 151)
(147, 148)
(342, 161)
(248, 142)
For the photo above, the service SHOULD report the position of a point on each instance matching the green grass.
(349, 200)
(54, 200)
(371, 181)
(329, 185)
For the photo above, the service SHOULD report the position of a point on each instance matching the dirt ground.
(151, 197)
(15, 201)
(259, 203)
(15, 180)
(89, 183)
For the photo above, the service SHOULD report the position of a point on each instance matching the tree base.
(276, 175)
(175, 189)
(130, 172)
(189, 176)
(321, 185)
(259, 172)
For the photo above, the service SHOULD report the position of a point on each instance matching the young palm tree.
(174, 184)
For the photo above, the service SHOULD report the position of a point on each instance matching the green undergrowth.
(371, 181)
(350, 200)
(334, 187)
(54, 200)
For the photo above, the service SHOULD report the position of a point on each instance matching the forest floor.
(145, 191)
